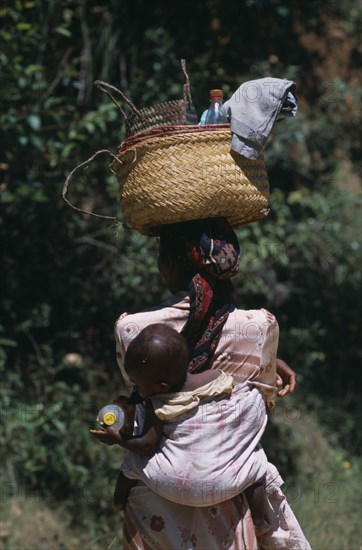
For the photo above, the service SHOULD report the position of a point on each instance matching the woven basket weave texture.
(169, 113)
(185, 173)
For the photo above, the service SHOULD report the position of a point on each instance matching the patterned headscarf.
(210, 250)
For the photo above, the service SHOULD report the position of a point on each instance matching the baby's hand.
(108, 435)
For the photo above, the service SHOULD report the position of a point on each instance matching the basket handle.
(187, 93)
(70, 175)
(105, 87)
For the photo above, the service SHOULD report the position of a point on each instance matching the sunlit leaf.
(63, 31)
(34, 121)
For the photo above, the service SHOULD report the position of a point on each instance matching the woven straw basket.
(173, 174)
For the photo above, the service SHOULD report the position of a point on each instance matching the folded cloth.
(168, 406)
(212, 452)
(254, 108)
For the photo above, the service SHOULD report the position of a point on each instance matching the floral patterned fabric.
(154, 523)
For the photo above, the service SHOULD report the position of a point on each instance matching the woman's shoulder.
(252, 316)
(173, 312)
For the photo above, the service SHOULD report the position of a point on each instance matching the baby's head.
(157, 360)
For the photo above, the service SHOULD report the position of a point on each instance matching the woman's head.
(157, 360)
(201, 256)
(209, 247)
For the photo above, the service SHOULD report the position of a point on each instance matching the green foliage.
(47, 525)
(302, 264)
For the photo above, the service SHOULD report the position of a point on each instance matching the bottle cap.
(109, 418)
(216, 94)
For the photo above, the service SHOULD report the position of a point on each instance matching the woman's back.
(247, 347)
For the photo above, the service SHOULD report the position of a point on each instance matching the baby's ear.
(165, 388)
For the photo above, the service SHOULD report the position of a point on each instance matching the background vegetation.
(67, 276)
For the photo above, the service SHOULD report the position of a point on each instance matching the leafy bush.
(302, 263)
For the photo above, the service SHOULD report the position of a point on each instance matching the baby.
(199, 444)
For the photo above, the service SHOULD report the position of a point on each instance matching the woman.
(197, 260)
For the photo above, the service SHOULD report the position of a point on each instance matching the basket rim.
(167, 131)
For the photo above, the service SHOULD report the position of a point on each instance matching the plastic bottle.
(215, 114)
(111, 415)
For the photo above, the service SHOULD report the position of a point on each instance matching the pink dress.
(247, 349)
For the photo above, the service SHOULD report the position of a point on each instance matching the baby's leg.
(122, 490)
(257, 500)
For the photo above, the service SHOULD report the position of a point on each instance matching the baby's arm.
(148, 443)
(144, 445)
